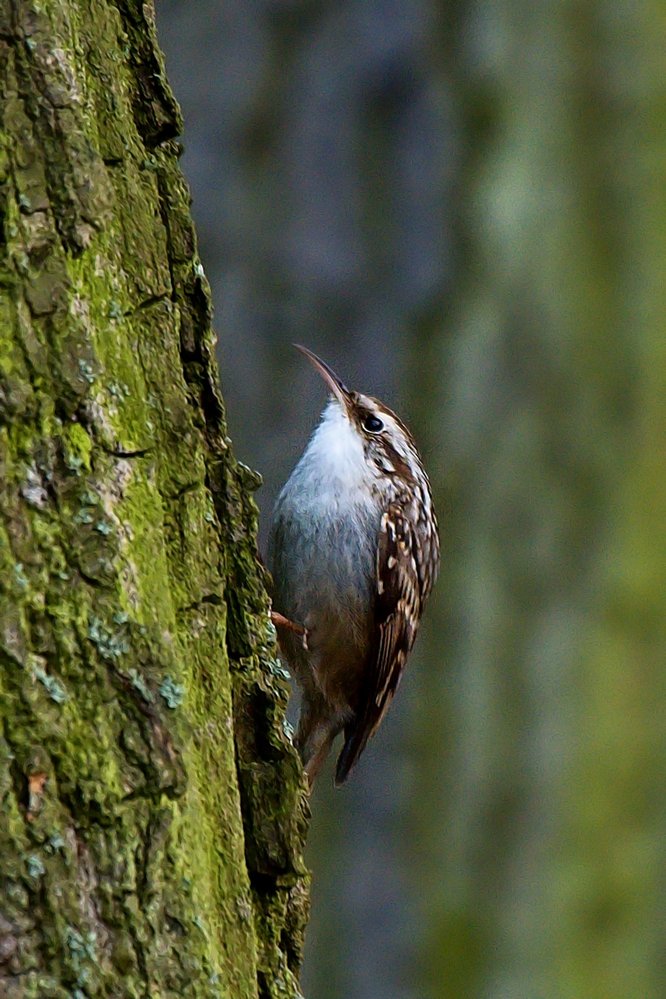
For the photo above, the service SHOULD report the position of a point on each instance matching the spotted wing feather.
(397, 614)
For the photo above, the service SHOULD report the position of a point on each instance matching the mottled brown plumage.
(354, 552)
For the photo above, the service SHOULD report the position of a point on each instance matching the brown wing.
(397, 612)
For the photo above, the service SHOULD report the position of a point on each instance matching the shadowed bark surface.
(151, 804)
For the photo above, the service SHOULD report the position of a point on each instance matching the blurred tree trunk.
(508, 158)
(550, 855)
(151, 810)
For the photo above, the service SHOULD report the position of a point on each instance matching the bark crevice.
(147, 773)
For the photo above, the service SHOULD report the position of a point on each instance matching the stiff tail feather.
(357, 733)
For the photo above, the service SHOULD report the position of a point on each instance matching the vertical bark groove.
(151, 805)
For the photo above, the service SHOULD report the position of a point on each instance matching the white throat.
(334, 454)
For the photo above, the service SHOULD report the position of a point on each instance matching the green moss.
(125, 530)
(77, 448)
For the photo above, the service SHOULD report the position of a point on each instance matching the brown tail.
(356, 738)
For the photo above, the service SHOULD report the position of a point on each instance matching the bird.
(353, 552)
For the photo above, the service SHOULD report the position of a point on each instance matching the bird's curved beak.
(334, 382)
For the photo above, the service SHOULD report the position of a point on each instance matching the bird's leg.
(280, 621)
(314, 764)
(317, 728)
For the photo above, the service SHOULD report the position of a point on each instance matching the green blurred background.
(462, 207)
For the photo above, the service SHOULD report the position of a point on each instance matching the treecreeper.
(354, 553)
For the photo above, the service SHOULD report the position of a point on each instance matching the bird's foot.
(280, 621)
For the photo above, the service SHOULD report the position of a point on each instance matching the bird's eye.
(373, 424)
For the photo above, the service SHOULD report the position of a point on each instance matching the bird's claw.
(280, 621)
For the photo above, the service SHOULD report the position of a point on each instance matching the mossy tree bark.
(151, 805)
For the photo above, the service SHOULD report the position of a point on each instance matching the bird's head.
(387, 443)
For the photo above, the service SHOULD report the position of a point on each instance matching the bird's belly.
(323, 569)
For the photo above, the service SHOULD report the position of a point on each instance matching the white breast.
(324, 537)
(333, 472)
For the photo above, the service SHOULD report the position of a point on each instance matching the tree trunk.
(547, 831)
(151, 806)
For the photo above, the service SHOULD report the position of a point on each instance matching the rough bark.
(151, 804)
